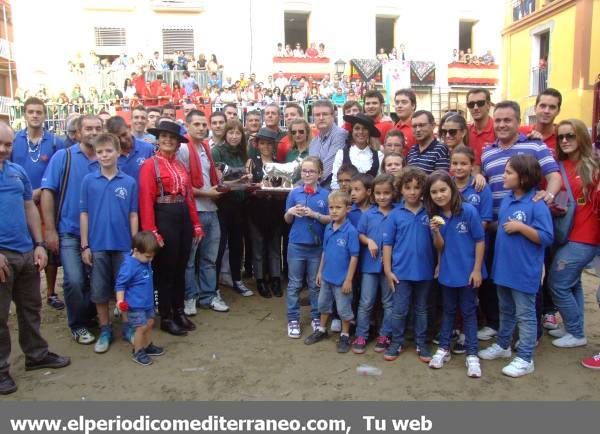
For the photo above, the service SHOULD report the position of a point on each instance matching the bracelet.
(40, 244)
(84, 248)
(550, 194)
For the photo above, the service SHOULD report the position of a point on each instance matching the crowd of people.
(460, 56)
(298, 51)
(392, 228)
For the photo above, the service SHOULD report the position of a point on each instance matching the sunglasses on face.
(451, 132)
(294, 132)
(480, 103)
(568, 136)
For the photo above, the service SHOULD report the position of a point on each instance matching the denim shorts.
(105, 267)
(343, 302)
(139, 317)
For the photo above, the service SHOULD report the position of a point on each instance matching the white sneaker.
(558, 332)
(315, 324)
(550, 322)
(473, 367)
(218, 304)
(225, 279)
(336, 325)
(83, 336)
(294, 331)
(486, 333)
(243, 290)
(569, 341)
(438, 359)
(518, 367)
(494, 352)
(190, 307)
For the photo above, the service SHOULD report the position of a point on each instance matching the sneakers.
(473, 367)
(569, 341)
(486, 333)
(243, 290)
(392, 352)
(103, 342)
(592, 362)
(142, 358)
(336, 326)
(359, 345)
(438, 359)
(518, 367)
(55, 302)
(217, 304)
(558, 332)
(459, 346)
(294, 331)
(381, 344)
(424, 353)
(550, 322)
(83, 336)
(154, 350)
(317, 336)
(51, 361)
(315, 323)
(190, 307)
(343, 345)
(494, 352)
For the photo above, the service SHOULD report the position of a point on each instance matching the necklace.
(34, 149)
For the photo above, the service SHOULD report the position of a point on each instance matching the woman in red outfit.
(167, 208)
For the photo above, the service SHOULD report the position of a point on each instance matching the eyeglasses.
(308, 171)
(480, 103)
(451, 132)
(568, 136)
(294, 132)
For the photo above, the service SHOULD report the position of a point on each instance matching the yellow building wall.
(577, 100)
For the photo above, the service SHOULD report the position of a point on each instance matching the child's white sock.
(322, 329)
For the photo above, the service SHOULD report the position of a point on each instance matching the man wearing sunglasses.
(481, 131)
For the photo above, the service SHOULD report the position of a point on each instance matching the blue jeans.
(517, 308)
(80, 309)
(565, 283)
(201, 270)
(466, 298)
(105, 267)
(330, 292)
(405, 291)
(370, 283)
(303, 261)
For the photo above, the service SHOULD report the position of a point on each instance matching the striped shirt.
(434, 157)
(494, 159)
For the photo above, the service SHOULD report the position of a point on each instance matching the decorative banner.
(468, 74)
(396, 76)
(367, 68)
(422, 73)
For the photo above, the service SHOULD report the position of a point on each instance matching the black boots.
(262, 288)
(169, 326)
(183, 321)
(276, 286)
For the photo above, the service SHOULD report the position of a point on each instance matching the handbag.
(564, 223)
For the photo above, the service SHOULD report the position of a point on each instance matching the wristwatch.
(40, 244)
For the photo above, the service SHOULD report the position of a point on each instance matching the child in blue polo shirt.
(371, 269)
(408, 262)
(307, 212)
(524, 231)
(135, 295)
(344, 175)
(459, 238)
(361, 188)
(108, 219)
(336, 270)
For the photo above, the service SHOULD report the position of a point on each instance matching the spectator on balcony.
(128, 89)
(393, 55)
(288, 51)
(461, 57)
(213, 65)
(312, 51)
(469, 56)
(382, 56)
(177, 93)
(279, 51)
(454, 58)
(322, 50)
(339, 98)
(181, 63)
(201, 63)
(488, 58)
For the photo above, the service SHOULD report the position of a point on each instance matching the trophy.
(281, 175)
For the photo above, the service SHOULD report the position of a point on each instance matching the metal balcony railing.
(539, 80)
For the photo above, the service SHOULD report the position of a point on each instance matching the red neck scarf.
(196, 166)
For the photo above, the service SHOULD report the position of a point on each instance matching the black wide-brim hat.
(168, 127)
(266, 134)
(365, 121)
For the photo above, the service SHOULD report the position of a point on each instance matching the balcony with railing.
(6, 49)
(538, 80)
(177, 5)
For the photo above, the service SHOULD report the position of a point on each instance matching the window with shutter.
(110, 36)
(178, 38)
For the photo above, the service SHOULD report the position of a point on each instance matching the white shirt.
(362, 159)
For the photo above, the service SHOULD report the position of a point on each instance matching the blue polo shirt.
(135, 279)
(108, 204)
(460, 233)
(481, 200)
(131, 163)
(68, 221)
(339, 246)
(434, 157)
(15, 189)
(371, 225)
(518, 262)
(306, 230)
(410, 236)
(494, 159)
(354, 215)
(35, 161)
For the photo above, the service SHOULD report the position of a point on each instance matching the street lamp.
(340, 65)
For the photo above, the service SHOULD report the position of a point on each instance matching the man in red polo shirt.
(481, 131)
(405, 102)
(547, 107)
(373, 107)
